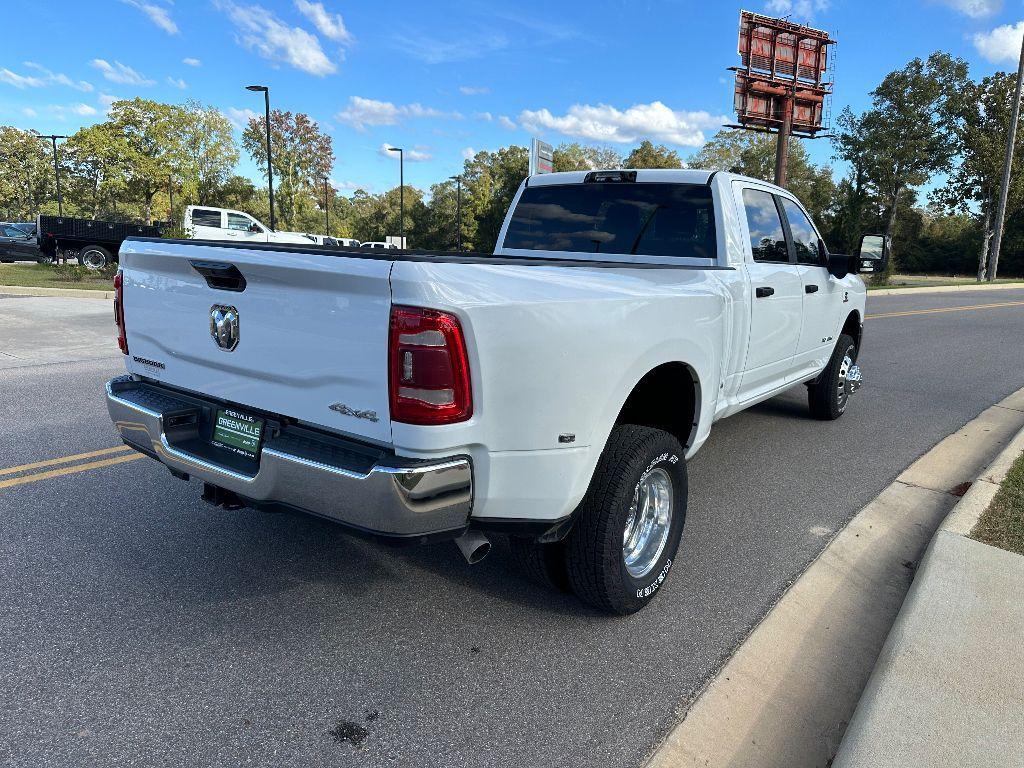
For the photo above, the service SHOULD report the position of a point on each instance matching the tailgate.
(312, 330)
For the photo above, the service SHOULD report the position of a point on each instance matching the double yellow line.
(26, 473)
(936, 310)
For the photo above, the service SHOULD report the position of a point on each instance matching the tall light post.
(458, 209)
(56, 170)
(401, 192)
(997, 239)
(170, 197)
(270, 162)
(327, 208)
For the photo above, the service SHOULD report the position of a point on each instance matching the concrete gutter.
(966, 288)
(786, 695)
(70, 293)
(948, 688)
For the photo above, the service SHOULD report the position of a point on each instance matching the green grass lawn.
(47, 276)
(1002, 525)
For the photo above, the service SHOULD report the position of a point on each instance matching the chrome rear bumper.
(362, 487)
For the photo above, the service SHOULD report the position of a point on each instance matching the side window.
(239, 221)
(205, 218)
(767, 237)
(805, 239)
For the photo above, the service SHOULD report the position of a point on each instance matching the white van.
(207, 223)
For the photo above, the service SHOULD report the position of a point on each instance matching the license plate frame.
(238, 432)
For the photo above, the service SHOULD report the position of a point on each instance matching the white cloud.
(157, 14)
(120, 73)
(473, 90)
(261, 31)
(468, 153)
(975, 9)
(83, 109)
(240, 117)
(106, 100)
(485, 116)
(506, 122)
(177, 82)
(41, 79)
(190, 62)
(642, 121)
(331, 25)
(1001, 44)
(29, 112)
(411, 155)
(361, 113)
(803, 9)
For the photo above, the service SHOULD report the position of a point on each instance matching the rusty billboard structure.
(782, 84)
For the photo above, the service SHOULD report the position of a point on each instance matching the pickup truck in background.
(203, 222)
(552, 391)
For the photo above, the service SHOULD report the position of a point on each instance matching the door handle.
(764, 291)
(810, 289)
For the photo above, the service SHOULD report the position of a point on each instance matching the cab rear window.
(616, 218)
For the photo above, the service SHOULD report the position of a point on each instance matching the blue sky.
(444, 78)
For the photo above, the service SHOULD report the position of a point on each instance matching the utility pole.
(327, 209)
(56, 170)
(401, 192)
(270, 161)
(1011, 138)
(170, 196)
(458, 210)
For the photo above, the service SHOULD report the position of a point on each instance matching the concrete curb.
(785, 696)
(68, 293)
(948, 684)
(943, 289)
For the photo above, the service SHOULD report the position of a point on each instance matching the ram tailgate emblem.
(224, 327)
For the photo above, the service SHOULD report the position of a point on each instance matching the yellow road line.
(69, 470)
(947, 309)
(63, 460)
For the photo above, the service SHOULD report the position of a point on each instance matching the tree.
(908, 133)
(649, 156)
(490, 181)
(303, 157)
(209, 152)
(580, 157)
(27, 179)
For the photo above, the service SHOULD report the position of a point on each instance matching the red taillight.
(122, 336)
(429, 368)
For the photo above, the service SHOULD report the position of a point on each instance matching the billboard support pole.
(782, 146)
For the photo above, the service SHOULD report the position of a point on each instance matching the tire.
(596, 549)
(94, 257)
(828, 396)
(543, 564)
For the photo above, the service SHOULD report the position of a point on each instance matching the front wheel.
(829, 394)
(625, 538)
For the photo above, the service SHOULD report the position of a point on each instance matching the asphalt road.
(141, 627)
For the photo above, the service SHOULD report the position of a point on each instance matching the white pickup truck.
(551, 391)
(204, 222)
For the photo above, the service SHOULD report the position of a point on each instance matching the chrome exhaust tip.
(474, 546)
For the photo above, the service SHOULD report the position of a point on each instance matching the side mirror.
(873, 254)
(254, 227)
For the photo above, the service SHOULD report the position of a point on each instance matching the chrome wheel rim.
(93, 260)
(842, 391)
(648, 523)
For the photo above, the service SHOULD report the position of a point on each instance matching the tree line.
(929, 126)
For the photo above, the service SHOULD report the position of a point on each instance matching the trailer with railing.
(94, 244)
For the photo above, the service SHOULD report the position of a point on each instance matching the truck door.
(776, 296)
(823, 294)
(242, 227)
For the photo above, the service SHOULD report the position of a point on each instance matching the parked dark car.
(18, 242)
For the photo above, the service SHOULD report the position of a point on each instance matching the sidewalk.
(948, 687)
(68, 293)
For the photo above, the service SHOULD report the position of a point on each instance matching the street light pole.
(997, 240)
(56, 170)
(270, 161)
(170, 196)
(327, 208)
(458, 210)
(401, 192)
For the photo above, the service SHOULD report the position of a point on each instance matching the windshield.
(616, 218)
